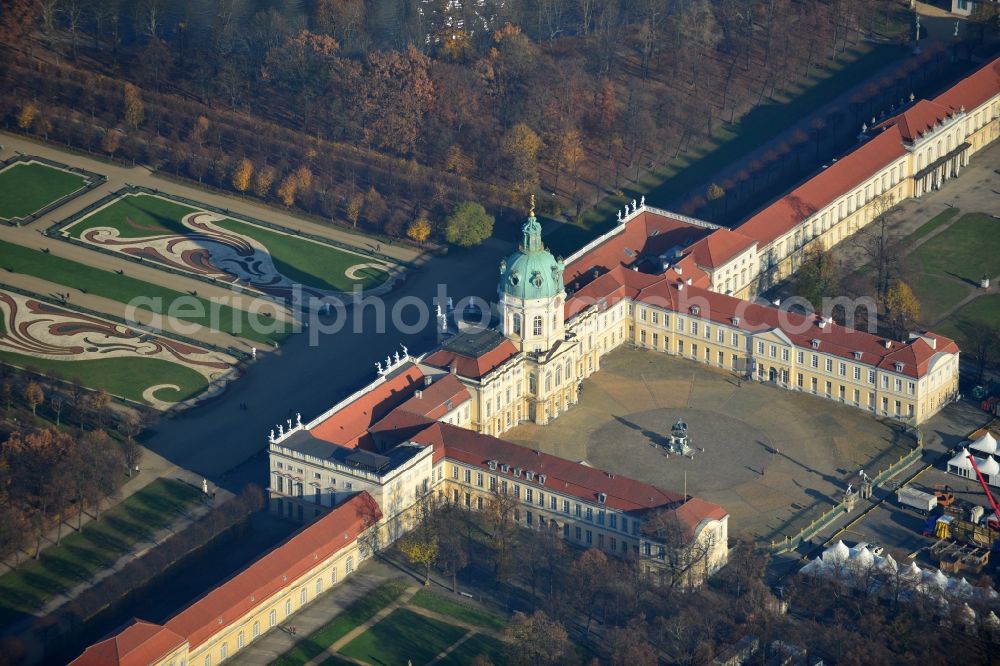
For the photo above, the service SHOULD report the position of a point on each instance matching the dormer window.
(899, 367)
(815, 343)
(601, 498)
(505, 468)
(736, 321)
(857, 356)
(517, 471)
(695, 309)
(541, 479)
(529, 475)
(493, 465)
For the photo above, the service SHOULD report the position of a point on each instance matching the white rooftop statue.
(992, 619)
(986, 444)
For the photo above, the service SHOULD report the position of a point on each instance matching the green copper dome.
(531, 272)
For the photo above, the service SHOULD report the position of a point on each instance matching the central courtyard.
(775, 459)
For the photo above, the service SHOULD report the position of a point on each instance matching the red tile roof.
(274, 571)
(436, 400)
(140, 644)
(825, 187)
(661, 291)
(349, 425)
(974, 89)
(562, 475)
(719, 247)
(473, 367)
(645, 234)
(917, 119)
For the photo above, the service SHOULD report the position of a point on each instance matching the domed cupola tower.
(531, 292)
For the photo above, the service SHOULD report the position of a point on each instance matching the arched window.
(569, 370)
(532, 383)
(517, 324)
(536, 325)
(548, 382)
(558, 376)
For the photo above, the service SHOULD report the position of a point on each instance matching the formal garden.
(413, 627)
(144, 295)
(81, 554)
(28, 187)
(48, 337)
(945, 260)
(210, 243)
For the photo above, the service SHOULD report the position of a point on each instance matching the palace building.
(431, 426)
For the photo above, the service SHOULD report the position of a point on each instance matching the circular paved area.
(726, 450)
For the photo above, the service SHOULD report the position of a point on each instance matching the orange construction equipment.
(945, 496)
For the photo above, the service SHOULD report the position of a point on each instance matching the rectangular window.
(256, 629)
(479, 479)
(799, 381)
(760, 347)
(843, 369)
(784, 354)
(272, 618)
(468, 476)
(772, 351)
(829, 365)
(871, 376)
(590, 514)
(736, 340)
(239, 641)
(349, 567)
(799, 357)
(565, 506)
(590, 537)
(529, 495)
(694, 328)
(541, 499)
(857, 374)
(613, 521)
(579, 534)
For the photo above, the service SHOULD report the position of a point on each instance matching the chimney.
(453, 368)
(689, 281)
(680, 271)
(419, 394)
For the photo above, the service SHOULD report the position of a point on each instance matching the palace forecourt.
(431, 426)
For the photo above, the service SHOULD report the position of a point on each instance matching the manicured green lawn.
(937, 294)
(26, 187)
(127, 377)
(475, 646)
(82, 554)
(731, 142)
(935, 222)
(460, 611)
(137, 216)
(313, 264)
(966, 249)
(983, 310)
(402, 637)
(357, 613)
(125, 289)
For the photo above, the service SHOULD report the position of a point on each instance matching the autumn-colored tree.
(469, 224)
(303, 177)
(498, 513)
(111, 141)
(263, 180)
(714, 194)
(198, 131)
(457, 162)
(135, 110)
(353, 209)
(375, 209)
(287, 189)
(394, 102)
(419, 230)
(242, 176)
(420, 547)
(817, 277)
(99, 403)
(569, 152)
(520, 148)
(33, 395)
(902, 308)
(535, 639)
(27, 115)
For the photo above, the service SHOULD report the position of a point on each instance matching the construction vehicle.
(916, 499)
(945, 496)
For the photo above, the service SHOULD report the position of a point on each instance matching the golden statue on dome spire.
(531, 212)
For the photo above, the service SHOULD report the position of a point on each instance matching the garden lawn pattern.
(403, 636)
(162, 231)
(126, 362)
(462, 612)
(28, 187)
(356, 614)
(143, 295)
(947, 267)
(97, 546)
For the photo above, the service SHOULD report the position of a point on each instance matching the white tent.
(960, 461)
(989, 467)
(985, 444)
(836, 554)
